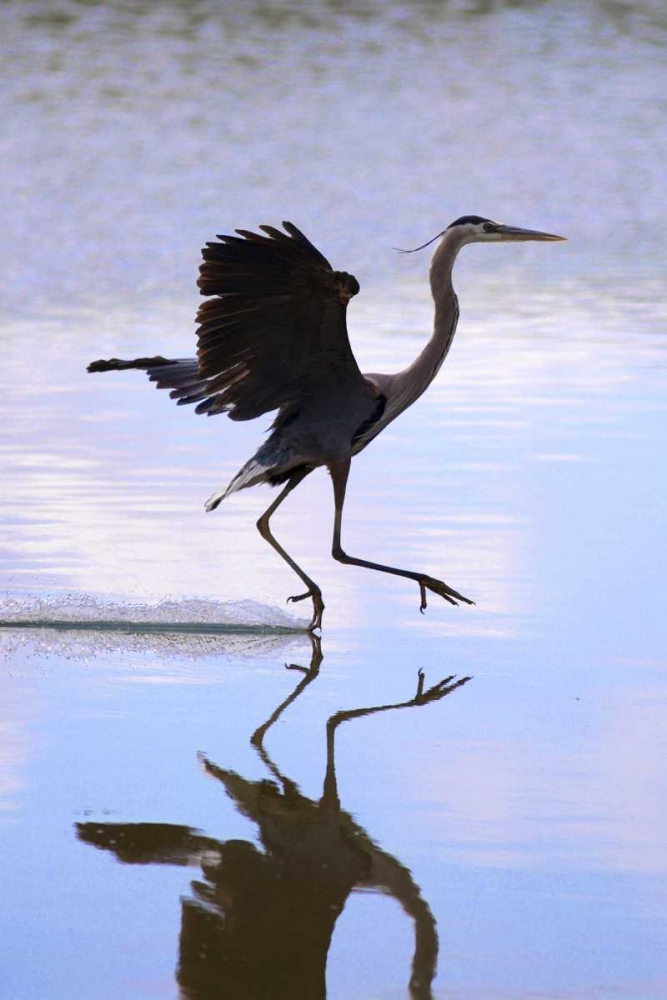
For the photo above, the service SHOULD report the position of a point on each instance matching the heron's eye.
(488, 227)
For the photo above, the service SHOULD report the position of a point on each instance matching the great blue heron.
(273, 336)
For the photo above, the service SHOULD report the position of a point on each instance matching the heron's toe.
(442, 589)
(299, 597)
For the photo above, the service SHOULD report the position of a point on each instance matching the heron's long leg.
(339, 473)
(263, 527)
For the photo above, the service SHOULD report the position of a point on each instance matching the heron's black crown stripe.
(473, 220)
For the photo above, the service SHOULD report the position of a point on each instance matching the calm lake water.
(181, 815)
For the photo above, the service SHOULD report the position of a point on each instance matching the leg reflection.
(259, 923)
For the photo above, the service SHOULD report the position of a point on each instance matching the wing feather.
(274, 331)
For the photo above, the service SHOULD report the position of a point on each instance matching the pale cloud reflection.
(630, 769)
(597, 806)
(11, 754)
(561, 458)
(14, 748)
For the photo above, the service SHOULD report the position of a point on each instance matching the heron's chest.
(329, 428)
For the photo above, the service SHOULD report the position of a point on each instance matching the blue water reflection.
(529, 808)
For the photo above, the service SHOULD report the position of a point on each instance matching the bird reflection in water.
(259, 923)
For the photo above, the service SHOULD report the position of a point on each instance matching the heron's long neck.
(414, 380)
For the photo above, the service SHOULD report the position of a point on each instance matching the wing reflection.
(259, 923)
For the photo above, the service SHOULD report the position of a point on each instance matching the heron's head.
(475, 229)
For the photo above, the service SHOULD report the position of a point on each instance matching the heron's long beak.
(513, 233)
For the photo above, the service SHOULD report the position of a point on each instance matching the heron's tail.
(252, 473)
(271, 463)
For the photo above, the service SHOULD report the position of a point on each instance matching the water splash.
(82, 627)
(84, 612)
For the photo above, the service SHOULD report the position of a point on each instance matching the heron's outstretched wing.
(274, 332)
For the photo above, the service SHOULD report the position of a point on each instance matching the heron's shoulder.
(380, 384)
(347, 284)
(323, 282)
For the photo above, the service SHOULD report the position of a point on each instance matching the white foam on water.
(191, 614)
(81, 626)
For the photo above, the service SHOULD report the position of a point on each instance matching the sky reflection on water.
(514, 805)
(528, 809)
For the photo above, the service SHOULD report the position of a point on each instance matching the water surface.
(180, 814)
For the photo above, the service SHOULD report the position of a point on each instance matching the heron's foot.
(440, 588)
(318, 606)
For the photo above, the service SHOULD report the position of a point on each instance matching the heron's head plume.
(476, 229)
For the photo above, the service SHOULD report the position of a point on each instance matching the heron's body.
(273, 337)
